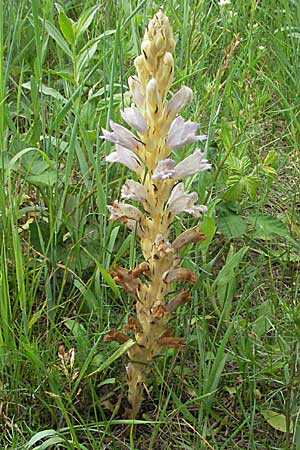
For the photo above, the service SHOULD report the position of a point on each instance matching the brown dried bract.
(180, 299)
(133, 324)
(127, 279)
(116, 336)
(187, 237)
(180, 274)
(172, 342)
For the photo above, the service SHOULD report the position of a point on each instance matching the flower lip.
(180, 201)
(179, 100)
(136, 91)
(120, 135)
(194, 163)
(125, 156)
(164, 169)
(183, 133)
(167, 168)
(134, 118)
(133, 190)
(123, 211)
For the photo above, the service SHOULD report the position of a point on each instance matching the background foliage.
(63, 75)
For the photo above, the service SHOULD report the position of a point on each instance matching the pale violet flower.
(167, 168)
(120, 135)
(183, 133)
(180, 201)
(179, 100)
(123, 211)
(124, 156)
(135, 119)
(190, 165)
(134, 190)
(136, 91)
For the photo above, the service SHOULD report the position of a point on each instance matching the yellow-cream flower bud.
(142, 69)
(165, 73)
(153, 99)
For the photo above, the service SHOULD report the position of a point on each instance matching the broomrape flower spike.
(160, 192)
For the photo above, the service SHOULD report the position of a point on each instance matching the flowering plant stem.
(161, 194)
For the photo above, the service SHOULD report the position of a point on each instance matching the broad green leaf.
(47, 178)
(262, 324)
(116, 355)
(240, 166)
(252, 183)
(91, 301)
(66, 27)
(225, 135)
(110, 245)
(36, 167)
(86, 55)
(269, 170)
(276, 420)
(235, 186)
(85, 19)
(271, 158)
(11, 164)
(208, 227)
(83, 165)
(50, 442)
(46, 91)
(105, 274)
(62, 74)
(267, 226)
(232, 226)
(56, 35)
(79, 333)
(226, 279)
(40, 435)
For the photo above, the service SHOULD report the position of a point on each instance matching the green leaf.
(262, 324)
(50, 442)
(252, 183)
(276, 420)
(83, 165)
(80, 334)
(119, 352)
(86, 19)
(267, 226)
(56, 35)
(62, 74)
(66, 27)
(38, 436)
(236, 187)
(208, 227)
(105, 274)
(47, 178)
(92, 303)
(225, 135)
(89, 50)
(46, 91)
(11, 164)
(232, 226)
(271, 158)
(86, 54)
(226, 279)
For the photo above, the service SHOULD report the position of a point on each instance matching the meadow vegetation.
(63, 75)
